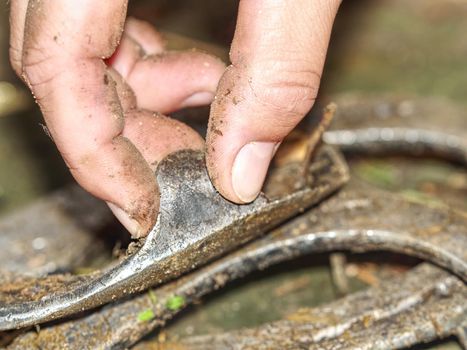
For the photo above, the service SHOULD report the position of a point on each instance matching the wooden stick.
(317, 134)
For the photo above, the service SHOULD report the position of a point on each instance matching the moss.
(146, 315)
(175, 302)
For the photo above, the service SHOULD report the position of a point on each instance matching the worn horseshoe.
(194, 226)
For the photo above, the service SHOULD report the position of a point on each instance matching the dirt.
(410, 49)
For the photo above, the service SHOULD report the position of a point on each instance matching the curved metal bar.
(429, 246)
(423, 306)
(194, 226)
(338, 226)
(406, 141)
(72, 214)
(260, 258)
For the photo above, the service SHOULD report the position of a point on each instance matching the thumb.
(277, 57)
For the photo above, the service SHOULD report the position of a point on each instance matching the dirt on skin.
(373, 68)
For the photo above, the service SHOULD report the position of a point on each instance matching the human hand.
(107, 136)
(277, 56)
(99, 115)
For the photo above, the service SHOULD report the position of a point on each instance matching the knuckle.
(288, 94)
(37, 67)
(40, 72)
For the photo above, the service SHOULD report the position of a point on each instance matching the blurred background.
(412, 52)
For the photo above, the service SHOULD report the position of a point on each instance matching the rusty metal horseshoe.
(194, 226)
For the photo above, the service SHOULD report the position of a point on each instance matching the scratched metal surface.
(347, 221)
(117, 326)
(195, 225)
(446, 246)
(120, 320)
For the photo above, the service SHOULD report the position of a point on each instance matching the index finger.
(64, 45)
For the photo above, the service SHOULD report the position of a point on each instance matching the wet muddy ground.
(392, 49)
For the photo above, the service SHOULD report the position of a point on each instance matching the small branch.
(315, 137)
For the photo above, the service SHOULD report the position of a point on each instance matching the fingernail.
(250, 168)
(197, 99)
(130, 224)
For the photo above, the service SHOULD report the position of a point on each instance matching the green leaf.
(175, 303)
(146, 315)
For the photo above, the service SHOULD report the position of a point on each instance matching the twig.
(316, 135)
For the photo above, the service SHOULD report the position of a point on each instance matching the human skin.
(104, 82)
